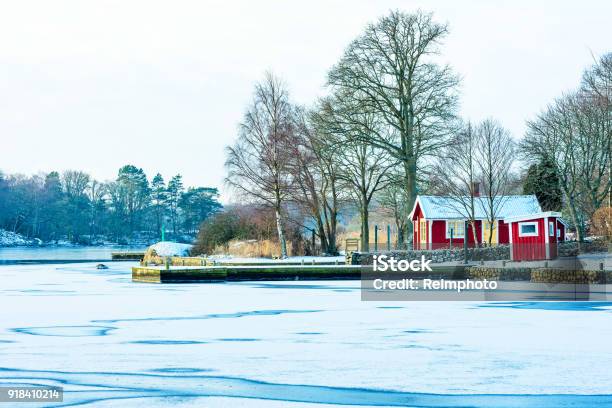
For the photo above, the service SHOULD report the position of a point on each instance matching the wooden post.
(451, 240)
(375, 238)
(465, 242)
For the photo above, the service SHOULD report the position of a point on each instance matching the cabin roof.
(535, 216)
(444, 208)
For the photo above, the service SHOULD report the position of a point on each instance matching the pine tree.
(134, 194)
(543, 181)
(175, 189)
(159, 200)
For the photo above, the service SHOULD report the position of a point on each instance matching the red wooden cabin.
(535, 237)
(439, 222)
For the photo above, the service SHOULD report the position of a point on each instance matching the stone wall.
(570, 248)
(551, 275)
(499, 274)
(541, 275)
(495, 253)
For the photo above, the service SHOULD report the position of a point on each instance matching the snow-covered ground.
(291, 259)
(8, 238)
(167, 248)
(113, 343)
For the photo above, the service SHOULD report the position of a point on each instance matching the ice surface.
(111, 343)
(54, 253)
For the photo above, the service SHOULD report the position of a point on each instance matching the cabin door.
(487, 231)
(423, 233)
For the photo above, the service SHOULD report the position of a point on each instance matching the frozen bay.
(110, 342)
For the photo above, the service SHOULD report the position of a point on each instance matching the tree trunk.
(400, 236)
(410, 169)
(577, 223)
(322, 237)
(281, 233)
(365, 230)
(474, 236)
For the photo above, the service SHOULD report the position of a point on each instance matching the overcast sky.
(94, 85)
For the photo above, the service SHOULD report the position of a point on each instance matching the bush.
(217, 230)
(241, 223)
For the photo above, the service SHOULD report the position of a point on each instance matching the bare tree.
(393, 201)
(494, 157)
(95, 194)
(570, 133)
(391, 71)
(75, 183)
(456, 175)
(597, 86)
(575, 134)
(316, 175)
(258, 163)
(364, 168)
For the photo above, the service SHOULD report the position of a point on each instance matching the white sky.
(94, 85)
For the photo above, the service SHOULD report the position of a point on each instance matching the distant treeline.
(73, 206)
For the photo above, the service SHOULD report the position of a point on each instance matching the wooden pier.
(185, 274)
(127, 256)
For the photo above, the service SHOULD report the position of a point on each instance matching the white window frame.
(558, 232)
(551, 228)
(446, 233)
(528, 234)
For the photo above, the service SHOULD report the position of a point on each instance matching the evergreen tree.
(159, 200)
(197, 204)
(175, 189)
(543, 181)
(133, 194)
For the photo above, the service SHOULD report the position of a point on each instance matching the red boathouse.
(535, 237)
(439, 222)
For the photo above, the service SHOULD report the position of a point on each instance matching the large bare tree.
(258, 163)
(391, 70)
(364, 168)
(315, 171)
